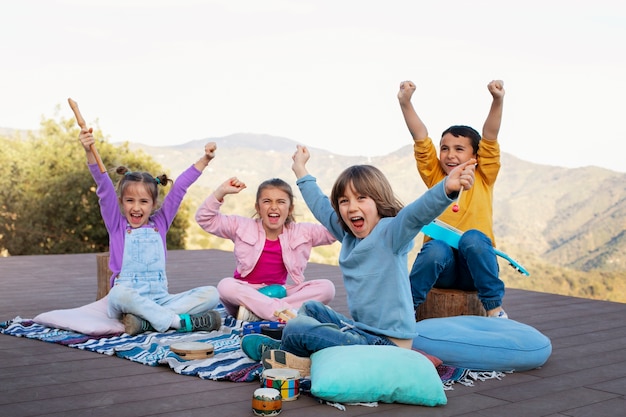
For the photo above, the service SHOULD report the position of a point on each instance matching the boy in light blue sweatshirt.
(376, 233)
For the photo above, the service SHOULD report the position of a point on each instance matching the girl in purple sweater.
(137, 247)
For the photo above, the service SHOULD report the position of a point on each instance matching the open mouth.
(450, 166)
(273, 217)
(357, 222)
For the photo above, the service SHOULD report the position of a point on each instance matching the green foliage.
(48, 202)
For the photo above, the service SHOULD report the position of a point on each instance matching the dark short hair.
(465, 131)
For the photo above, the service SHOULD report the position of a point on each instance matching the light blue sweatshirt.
(375, 269)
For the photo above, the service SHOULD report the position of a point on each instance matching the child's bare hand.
(86, 138)
(209, 150)
(232, 186)
(461, 177)
(301, 155)
(496, 88)
(300, 158)
(407, 88)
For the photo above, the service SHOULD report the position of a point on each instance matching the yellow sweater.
(476, 205)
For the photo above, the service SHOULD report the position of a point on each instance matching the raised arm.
(491, 128)
(417, 128)
(315, 199)
(209, 154)
(300, 158)
(87, 140)
(230, 186)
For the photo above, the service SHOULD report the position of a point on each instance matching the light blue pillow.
(367, 373)
(483, 343)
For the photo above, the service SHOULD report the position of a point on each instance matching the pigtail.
(152, 183)
(163, 180)
(121, 170)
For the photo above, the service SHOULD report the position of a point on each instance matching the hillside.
(565, 224)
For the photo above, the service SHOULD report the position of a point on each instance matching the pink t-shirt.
(270, 269)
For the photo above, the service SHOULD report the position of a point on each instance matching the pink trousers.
(235, 292)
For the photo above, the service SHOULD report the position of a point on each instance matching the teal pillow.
(483, 343)
(366, 373)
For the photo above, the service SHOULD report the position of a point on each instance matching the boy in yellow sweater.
(473, 266)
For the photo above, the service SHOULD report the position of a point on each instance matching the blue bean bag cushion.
(483, 343)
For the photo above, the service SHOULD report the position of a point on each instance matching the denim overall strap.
(144, 262)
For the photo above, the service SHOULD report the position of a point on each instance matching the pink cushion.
(90, 319)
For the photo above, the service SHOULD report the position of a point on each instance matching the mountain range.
(566, 226)
(569, 217)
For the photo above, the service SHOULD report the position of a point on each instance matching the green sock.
(185, 323)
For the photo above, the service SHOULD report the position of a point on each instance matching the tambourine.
(192, 350)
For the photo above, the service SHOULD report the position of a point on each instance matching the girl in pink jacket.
(267, 250)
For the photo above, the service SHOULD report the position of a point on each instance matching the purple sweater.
(116, 223)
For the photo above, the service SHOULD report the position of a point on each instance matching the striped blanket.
(229, 363)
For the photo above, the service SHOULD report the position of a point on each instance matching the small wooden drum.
(286, 381)
(266, 402)
(192, 350)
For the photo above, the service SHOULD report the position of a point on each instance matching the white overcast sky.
(324, 73)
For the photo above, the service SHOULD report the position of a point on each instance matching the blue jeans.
(319, 326)
(473, 267)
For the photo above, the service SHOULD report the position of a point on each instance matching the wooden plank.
(584, 375)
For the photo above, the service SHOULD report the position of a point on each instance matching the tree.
(48, 201)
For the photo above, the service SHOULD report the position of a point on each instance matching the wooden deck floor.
(585, 376)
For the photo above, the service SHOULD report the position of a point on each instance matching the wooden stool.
(104, 275)
(448, 303)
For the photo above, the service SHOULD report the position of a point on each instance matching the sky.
(324, 73)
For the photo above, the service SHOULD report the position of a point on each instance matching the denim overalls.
(141, 286)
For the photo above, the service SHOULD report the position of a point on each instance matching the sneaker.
(246, 315)
(208, 321)
(282, 359)
(255, 344)
(501, 315)
(134, 325)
